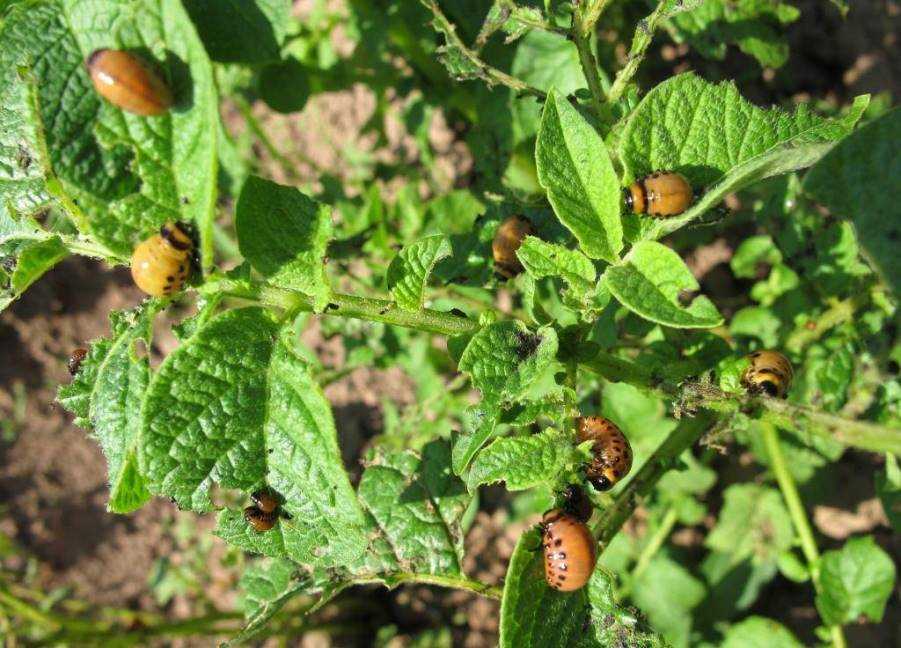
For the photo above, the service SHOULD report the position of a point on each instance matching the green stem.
(581, 35)
(341, 305)
(652, 547)
(692, 395)
(838, 313)
(490, 75)
(683, 437)
(641, 40)
(798, 515)
(452, 582)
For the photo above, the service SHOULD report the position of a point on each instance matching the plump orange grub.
(570, 551)
(507, 240)
(161, 264)
(769, 372)
(128, 82)
(663, 193)
(612, 454)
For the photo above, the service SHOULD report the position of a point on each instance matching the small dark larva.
(75, 359)
(570, 551)
(161, 264)
(128, 82)
(770, 372)
(612, 458)
(265, 501)
(663, 193)
(259, 520)
(576, 502)
(506, 242)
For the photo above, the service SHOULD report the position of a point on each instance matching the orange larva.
(265, 501)
(612, 454)
(507, 240)
(663, 193)
(770, 372)
(75, 360)
(570, 551)
(128, 82)
(259, 520)
(161, 264)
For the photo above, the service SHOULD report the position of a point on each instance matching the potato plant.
(605, 317)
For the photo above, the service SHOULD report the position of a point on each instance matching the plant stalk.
(798, 515)
(342, 305)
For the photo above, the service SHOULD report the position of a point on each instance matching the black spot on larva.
(561, 578)
(770, 387)
(170, 278)
(558, 542)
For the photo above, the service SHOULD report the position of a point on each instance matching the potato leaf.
(575, 168)
(651, 280)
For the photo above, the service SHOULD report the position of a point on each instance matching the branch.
(693, 395)
(476, 68)
(798, 516)
(581, 31)
(341, 305)
(641, 40)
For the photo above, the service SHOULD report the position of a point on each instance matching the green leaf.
(512, 19)
(757, 27)
(408, 273)
(241, 31)
(753, 524)
(855, 581)
(546, 61)
(753, 252)
(856, 180)
(522, 462)
(26, 256)
(704, 130)
(650, 282)
(127, 174)
(205, 409)
(284, 235)
(418, 504)
(233, 528)
(888, 487)
(542, 259)
(479, 423)
(582, 187)
(505, 359)
(792, 567)
(327, 526)
(266, 586)
(667, 593)
(533, 614)
(759, 632)
(107, 394)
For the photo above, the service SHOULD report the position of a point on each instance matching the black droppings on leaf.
(526, 344)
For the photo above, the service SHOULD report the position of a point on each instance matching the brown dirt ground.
(52, 477)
